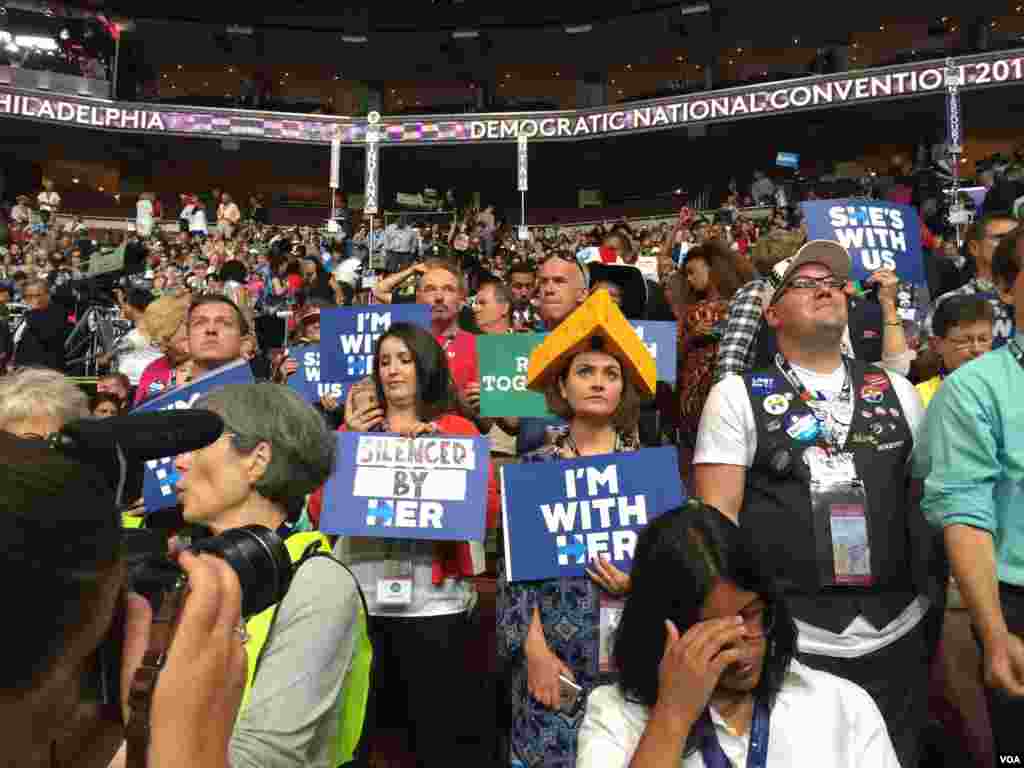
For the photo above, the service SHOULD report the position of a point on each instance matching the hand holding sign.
(888, 285)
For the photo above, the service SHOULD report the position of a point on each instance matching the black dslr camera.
(118, 447)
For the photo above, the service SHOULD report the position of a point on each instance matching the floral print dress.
(570, 615)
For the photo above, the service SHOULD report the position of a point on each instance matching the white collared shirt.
(818, 719)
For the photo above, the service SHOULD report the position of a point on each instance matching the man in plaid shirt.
(738, 343)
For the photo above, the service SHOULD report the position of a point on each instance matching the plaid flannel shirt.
(737, 346)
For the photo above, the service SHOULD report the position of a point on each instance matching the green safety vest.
(355, 692)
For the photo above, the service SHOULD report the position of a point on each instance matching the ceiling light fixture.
(354, 39)
(579, 29)
(465, 34)
(694, 9)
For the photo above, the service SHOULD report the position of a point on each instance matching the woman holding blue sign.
(551, 633)
(419, 593)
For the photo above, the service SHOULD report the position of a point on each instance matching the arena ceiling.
(418, 35)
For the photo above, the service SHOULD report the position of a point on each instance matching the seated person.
(706, 669)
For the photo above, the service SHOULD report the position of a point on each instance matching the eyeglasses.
(814, 283)
(964, 344)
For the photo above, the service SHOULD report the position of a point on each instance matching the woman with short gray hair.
(37, 401)
(275, 449)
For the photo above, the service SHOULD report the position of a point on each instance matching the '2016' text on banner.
(560, 515)
(503, 361)
(160, 476)
(388, 486)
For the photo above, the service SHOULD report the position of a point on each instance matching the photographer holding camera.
(70, 556)
(309, 655)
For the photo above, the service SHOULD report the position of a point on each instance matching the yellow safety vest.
(356, 690)
(131, 521)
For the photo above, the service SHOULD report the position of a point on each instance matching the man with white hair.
(35, 402)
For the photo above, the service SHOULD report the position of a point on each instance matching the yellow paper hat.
(598, 318)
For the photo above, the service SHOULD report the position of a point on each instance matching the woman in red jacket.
(419, 643)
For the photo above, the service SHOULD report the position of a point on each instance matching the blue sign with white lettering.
(662, 340)
(390, 487)
(160, 474)
(348, 336)
(878, 235)
(307, 380)
(560, 515)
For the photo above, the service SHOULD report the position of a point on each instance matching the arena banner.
(160, 475)
(503, 361)
(560, 515)
(391, 487)
(781, 97)
(878, 235)
(307, 381)
(348, 336)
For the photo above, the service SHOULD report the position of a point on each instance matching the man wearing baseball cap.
(874, 329)
(810, 454)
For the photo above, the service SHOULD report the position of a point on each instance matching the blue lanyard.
(757, 755)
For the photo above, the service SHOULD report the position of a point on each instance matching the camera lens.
(261, 560)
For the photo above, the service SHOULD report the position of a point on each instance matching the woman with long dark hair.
(707, 677)
(421, 643)
(711, 278)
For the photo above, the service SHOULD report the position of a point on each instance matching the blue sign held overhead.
(348, 337)
(160, 475)
(878, 235)
(391, 487)
(560, 515)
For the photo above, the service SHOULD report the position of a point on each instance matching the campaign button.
(803, 428)
(871, 394)
(776, 405)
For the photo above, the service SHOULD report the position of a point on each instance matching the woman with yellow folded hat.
(594, 372)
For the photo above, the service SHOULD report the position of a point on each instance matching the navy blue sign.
(160, 475)
(560, 515)
(307, 380)
(348, 336)
(388, 486)
(878, 235)
(662, 340)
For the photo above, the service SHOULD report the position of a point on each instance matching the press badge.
(839, 507)
(611, 614)
(395, 588)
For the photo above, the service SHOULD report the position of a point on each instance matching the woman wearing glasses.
(707, 677)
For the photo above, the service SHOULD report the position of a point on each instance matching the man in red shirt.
(443, 287)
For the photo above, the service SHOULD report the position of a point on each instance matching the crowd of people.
(850, 450)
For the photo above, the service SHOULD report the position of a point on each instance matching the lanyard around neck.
(757, 754)
(802, 392)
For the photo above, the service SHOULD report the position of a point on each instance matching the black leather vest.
(777, 506)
